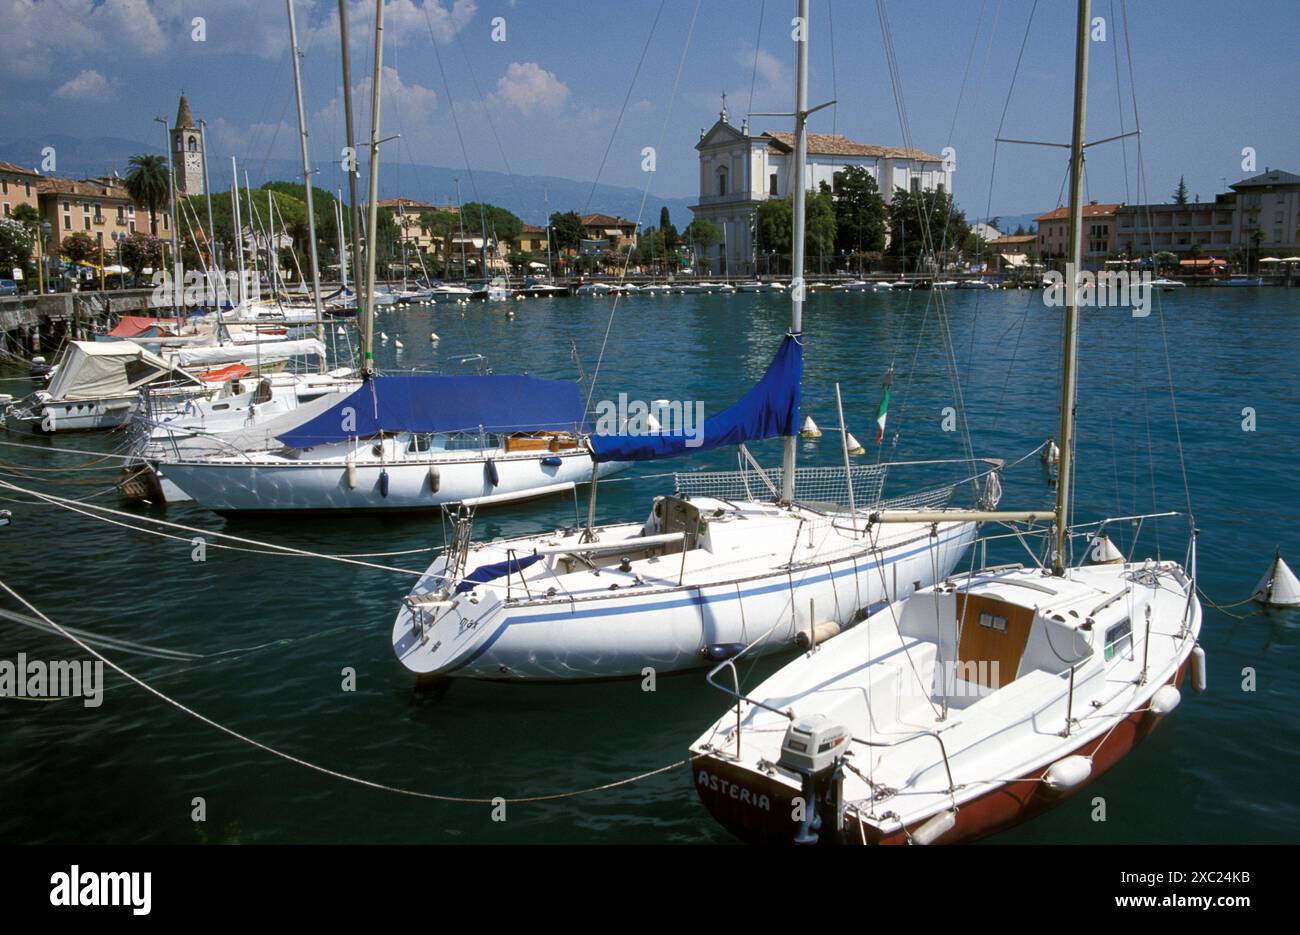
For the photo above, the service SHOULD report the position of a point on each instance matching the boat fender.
(352, 473)
(435, 479)
(551, 462)
(1165, 700)
(818, 634)
(935, 828)
(490, 467)
(720, 652)
(383, 482)
(1068, 773)
(1198, 669)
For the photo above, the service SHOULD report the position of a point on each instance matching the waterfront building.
(739, 171)
(18, 186)
(1100, 233)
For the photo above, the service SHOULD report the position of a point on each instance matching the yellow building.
(100, 207)
(18, 186)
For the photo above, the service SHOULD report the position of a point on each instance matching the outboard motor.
(814, 747)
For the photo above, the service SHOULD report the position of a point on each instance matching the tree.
(566, 229)
(819, 224)
(703, 234)
(147, 183)
(28, 216)
(775, 225)
(443, 225)
(497, 223)
(15, 245)
(860, 212)
(141, 250)
(79, 247)
(1180, 193)
(671, 237)
(924, 224)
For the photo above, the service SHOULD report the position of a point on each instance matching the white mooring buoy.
(855, 446)
(433, 336)
(810, 429)
(1279, 587)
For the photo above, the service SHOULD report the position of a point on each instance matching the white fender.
(1198, 669)
(435, 480)
(1068, 773)
(935, 828)
(352, 472)
(1165, 700)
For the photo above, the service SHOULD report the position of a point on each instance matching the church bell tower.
(187, 152)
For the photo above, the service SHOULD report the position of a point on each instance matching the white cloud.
(38, 35)
(527, 86)
(89, 85)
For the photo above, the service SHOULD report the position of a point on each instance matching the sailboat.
(732, 560)
(976, 702)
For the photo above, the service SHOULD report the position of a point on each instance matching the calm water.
(1221, 769)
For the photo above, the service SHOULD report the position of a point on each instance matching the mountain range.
(532, 197)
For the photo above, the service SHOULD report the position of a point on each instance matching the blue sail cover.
(769, 409)
(499, 403)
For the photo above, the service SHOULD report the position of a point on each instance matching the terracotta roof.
(604, 220)
(1009, 240)
(532, 229)
(18, 170)
(830, 144)
(403, 202)
(90, 188)
(1089, 211)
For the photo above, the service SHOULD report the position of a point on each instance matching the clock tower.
(187, 152)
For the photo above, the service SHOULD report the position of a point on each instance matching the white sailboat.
(974, 703)
(732, 559)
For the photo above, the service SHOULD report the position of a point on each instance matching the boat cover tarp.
(130, 326)
(769, 409)
(91, 369)
(419, 403)
(486, 573)
(268, 352)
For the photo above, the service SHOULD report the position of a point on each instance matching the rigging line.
(455, 120)
(1119, 109)
(487, 114)
(626, 99)
(758, 44)
(1164, 333)
(324, 770)
(280, 549)
(645, 193)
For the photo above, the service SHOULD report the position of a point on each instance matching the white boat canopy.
(269, 351)
(92, 369)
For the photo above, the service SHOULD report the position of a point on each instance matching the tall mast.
(354, 210)
(239, 228)
(1070, 354)
(372, 208)
(306, 177)
(796, 272)
(207, 190)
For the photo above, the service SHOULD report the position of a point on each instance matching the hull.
(289, 486)
(93, 415)
(757, 808)
(621, 633)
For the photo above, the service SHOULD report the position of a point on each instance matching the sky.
(579, 89)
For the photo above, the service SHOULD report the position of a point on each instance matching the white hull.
(736, 588)
(265, 483)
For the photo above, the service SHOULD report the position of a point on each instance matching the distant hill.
(529, 196)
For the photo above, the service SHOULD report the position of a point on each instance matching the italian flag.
(882, 414)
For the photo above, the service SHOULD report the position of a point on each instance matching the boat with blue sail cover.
(749, 560)
(406, 442)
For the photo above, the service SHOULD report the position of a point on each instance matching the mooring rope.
(325, 770)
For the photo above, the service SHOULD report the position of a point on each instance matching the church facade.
(739, 171)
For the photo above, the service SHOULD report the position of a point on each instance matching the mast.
(796, 272)
(239, 228)
(1070, 354)
(372, 208)
(354, 210)
(171, 219)
(295, 54)
(207, 191)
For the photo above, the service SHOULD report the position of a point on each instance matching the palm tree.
(147, 182)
